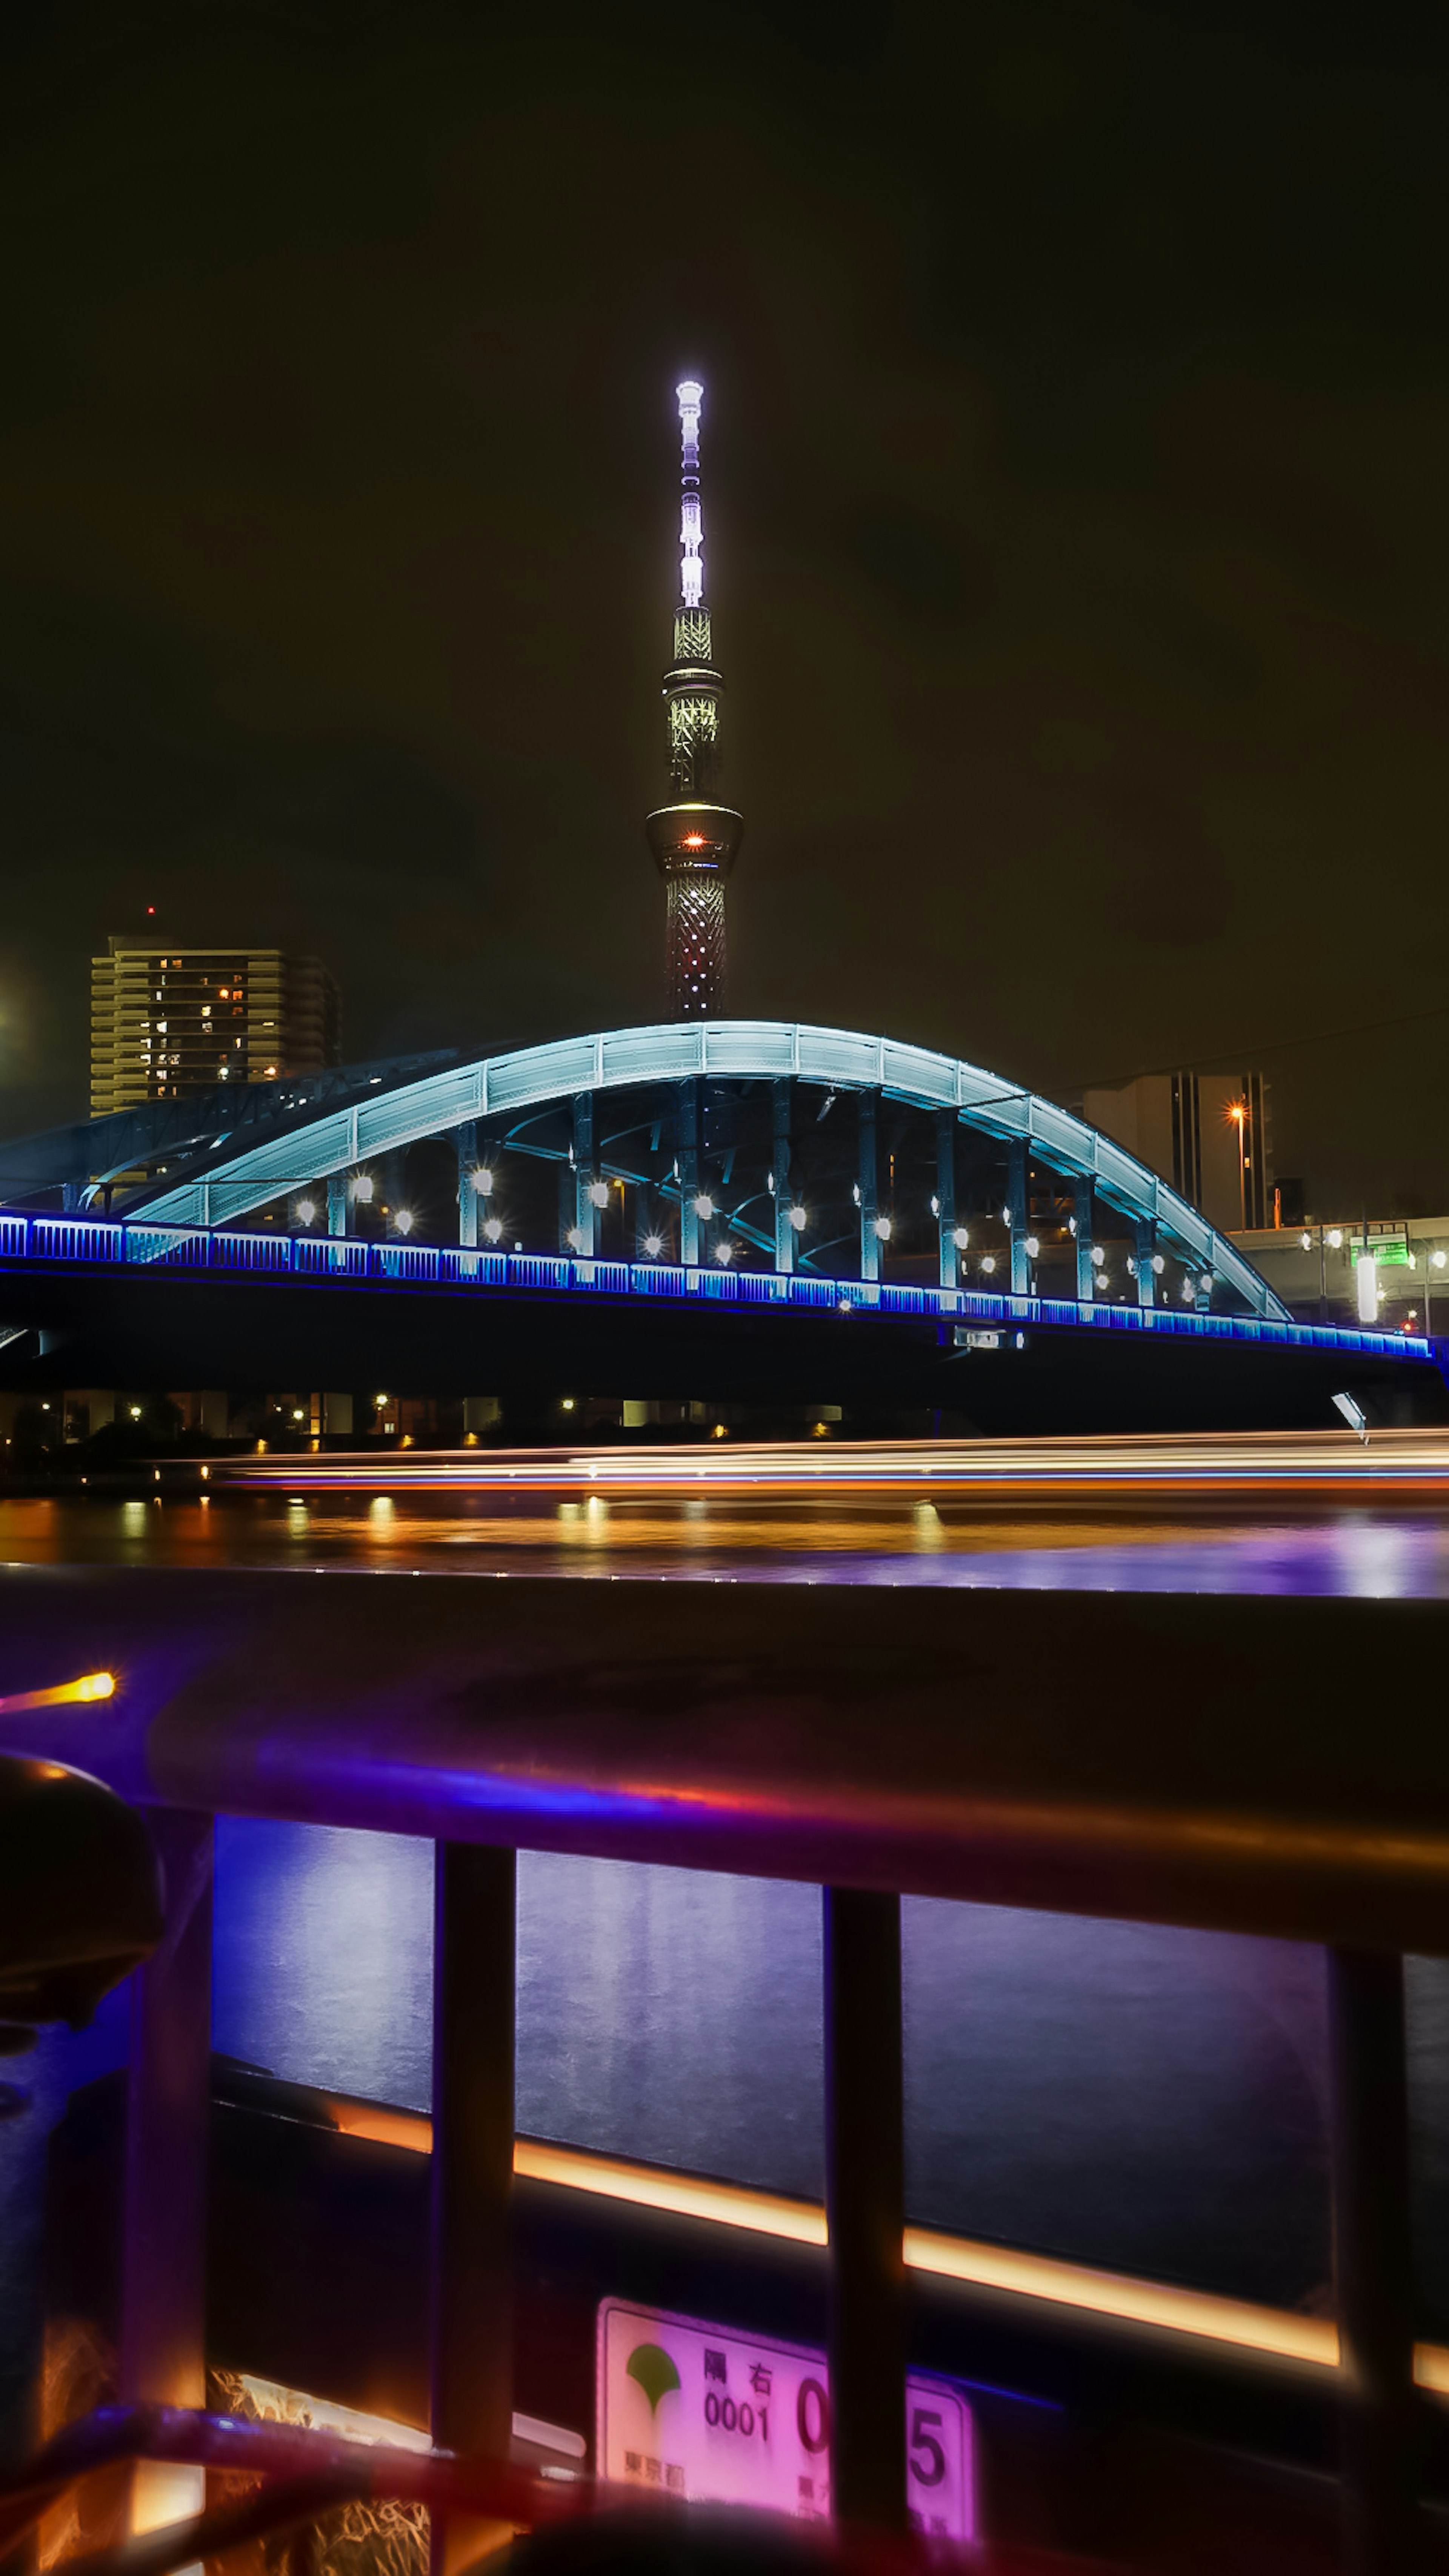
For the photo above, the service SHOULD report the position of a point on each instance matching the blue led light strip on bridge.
(93, 1243)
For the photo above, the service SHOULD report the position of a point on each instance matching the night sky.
(1076, 451)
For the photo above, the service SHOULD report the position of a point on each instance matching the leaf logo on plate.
(654, 2370)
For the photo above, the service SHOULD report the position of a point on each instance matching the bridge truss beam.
(230, 1182)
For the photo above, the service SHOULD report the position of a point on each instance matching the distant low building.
(167, 1020)
(1210, 1134)
(1390, 1271)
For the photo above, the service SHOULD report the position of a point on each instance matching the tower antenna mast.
(694, 840)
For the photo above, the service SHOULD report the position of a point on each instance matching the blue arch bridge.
(742, 1211)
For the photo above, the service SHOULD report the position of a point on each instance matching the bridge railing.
(85, 1242)
(404, 1710)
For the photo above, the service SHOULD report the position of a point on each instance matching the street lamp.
(1238, 1113)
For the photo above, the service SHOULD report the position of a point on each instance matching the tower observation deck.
(694, 839)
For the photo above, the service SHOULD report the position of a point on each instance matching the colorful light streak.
(1330, 1465)
(1275, 2333)
(90, 1686)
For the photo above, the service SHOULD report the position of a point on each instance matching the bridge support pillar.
(780, 1100)
(168, 2114)
(585, 1217)
(1019, 1198)
(867, 1187)
(470, 2282)
(1146, 1250)
(687, 1133)
(1082, 1214)
(466, 1139)
(865, 2205)
(391, 1185)
(946, 1124)
(1373, 2258)
(338, 1203)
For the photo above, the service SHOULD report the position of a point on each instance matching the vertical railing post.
(867, 1188)
(584, 1230)
(466, 1141)
(1083, 1220)
(1145, 1253)
(780, 1104)
(168, 2111)
(1018, 1192)
(338, 1203)
(946, 1124)
(687, 1155)
(471, 2251)
(1373, 2257)
(865, 2205)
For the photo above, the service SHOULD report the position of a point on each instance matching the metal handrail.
(868, 1740)
(332, 2467)
(308, 2472)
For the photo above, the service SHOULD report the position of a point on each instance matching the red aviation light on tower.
(693, 841)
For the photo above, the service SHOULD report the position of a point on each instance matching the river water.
(1143, 2099)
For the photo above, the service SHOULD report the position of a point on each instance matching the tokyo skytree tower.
(694, 840)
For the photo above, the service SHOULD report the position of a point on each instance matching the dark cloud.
(1077, 409)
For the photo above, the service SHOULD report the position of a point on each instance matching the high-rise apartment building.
(1210, 1134)
(166, 1020)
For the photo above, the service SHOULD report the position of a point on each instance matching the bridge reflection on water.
(1138, 2098)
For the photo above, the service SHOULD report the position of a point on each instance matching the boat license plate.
(723, 2418)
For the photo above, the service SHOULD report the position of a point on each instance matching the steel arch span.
(231, 1182)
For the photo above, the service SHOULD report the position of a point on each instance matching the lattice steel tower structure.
(694, 840)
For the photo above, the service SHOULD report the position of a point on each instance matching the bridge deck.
(84, 1244)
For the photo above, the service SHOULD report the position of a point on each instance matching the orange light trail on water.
(1307, 1466)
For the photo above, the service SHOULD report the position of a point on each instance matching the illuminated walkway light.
(703, 1205)
(493, 1228)
(798, 1220)
(881, 1229)
(961, 1238)
(654, 1245)
(483, 1181)
(362, 1189)
(307, 1211)
(598, 1194)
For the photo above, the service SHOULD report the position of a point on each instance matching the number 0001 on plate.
(725, 2418)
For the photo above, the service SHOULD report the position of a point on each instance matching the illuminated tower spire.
(694, 840)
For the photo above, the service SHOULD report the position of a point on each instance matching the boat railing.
(1007, 1748)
